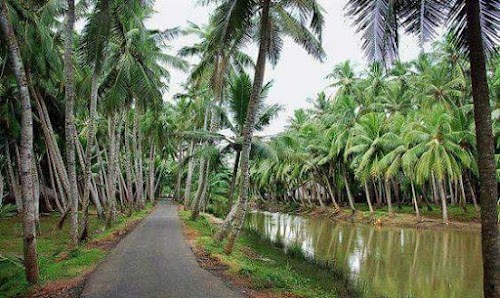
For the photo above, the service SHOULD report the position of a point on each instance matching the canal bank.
(404, 217)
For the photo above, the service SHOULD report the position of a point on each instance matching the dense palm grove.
(403, 135)
(86, 128)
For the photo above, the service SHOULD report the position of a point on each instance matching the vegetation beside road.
(62, 267)
(262, 268)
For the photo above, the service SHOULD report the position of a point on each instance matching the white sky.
(297, 75)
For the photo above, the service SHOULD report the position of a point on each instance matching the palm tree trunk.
(2, 185)
(177, 192)
(50, 138)
(415, 203)
(152, 153)
(332, 194)
(472, 192)
(463, 200)
(387, 186)
(349, 194)
(201, 191)
(111, 170)
(36, 189)
(70, 119)
(233, 179)
(442, 194)
(368, 198)
(137, 144)
(93, 188)
(29, 235)
(87, 177)
(490, 237)
(128, 167)
(14, 182)
(189, 178)
(248, 128)
(53, 185)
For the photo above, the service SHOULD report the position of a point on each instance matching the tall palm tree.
(369, 142)
(276, 19)
(69, 86)
(475, 25)
(238, 95)
(29, 229)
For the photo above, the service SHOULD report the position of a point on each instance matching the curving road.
(155, 261)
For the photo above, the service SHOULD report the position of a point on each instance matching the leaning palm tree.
(276, 19)
(475, 25)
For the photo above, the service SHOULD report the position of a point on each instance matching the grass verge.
(62, 269)
(260, 268)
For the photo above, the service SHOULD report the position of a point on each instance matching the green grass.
(56, 260)
(274, 269)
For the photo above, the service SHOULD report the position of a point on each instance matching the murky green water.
(392, 261)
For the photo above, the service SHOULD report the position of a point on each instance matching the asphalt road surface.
(154, 260)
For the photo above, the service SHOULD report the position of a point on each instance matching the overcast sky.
(297, 75)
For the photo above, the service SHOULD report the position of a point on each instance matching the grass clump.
(57, 261)
(269, 268)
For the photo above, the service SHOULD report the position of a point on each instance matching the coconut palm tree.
(369, 142)
(238, 95)
(440, 155)
(275, 20)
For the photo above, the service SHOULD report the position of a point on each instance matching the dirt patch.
(60, 289)
(217, 267)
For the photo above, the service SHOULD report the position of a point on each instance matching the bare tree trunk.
(349, 194)
(177, 195)
(14, 181)
(128, 167)
(137, 143)
(415, 203)
(201, 191)
(29, 235)
(111, 171)
(36, 189)
(387, 185)
(368, 199)
(442, 193)
(2, 185)
(472, 192)
(93, 188)
(152, 172)
(53, 186)
(70, 119)
(486, 153)
(189, 178)
(232, 186)
(463, 201)
(332, 194)
(87, 177)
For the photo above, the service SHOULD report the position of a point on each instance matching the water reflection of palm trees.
(397, 262)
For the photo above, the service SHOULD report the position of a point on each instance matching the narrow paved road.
(155, 261)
